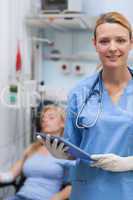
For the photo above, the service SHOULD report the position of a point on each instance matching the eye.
(104, 41)
(121, 40)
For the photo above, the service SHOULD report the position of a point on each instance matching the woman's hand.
(58, 150)
(63, 194)
(6, 177)
(112, 162)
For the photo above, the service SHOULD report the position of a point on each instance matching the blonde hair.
(113, 17)
(58, 109)
(36, 145)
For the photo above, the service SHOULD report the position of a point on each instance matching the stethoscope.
(93, 91)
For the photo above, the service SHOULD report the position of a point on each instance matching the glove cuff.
(130, 163)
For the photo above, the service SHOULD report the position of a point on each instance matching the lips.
(113, 58)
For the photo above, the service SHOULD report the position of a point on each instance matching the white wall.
(12, 122)
(74, 43)
(94, 7)
(12, 29)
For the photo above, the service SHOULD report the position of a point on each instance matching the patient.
(44, 173)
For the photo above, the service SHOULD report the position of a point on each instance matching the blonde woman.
(44, 173)
(100, 117)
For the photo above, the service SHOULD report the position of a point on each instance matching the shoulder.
(31, 149)
(81, 90)
(84, 84)
(27, 151)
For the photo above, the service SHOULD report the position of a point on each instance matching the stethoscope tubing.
(91, 92)
(91, 124)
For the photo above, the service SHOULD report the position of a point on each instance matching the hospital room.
(66, 100)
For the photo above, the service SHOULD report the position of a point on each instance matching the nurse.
(100, 117)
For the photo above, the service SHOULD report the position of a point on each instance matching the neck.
(115, 82)
(116, 76)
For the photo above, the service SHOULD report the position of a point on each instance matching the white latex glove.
(112, 162)
(57, 150)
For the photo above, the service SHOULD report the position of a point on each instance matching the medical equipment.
(61, 5)
(13, 90)
(93, 91)
(20, 94)
(62, 147)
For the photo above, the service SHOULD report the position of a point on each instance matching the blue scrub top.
(112, 133)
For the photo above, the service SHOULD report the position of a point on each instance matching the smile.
(113, 58)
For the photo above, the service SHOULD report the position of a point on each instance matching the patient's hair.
(58, 109)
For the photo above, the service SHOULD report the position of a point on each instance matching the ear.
(94, 43)
(61, 123)
(131, 43)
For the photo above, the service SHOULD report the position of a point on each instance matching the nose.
(112, 46)
(44, 119)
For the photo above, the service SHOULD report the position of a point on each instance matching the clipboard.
(73, 150)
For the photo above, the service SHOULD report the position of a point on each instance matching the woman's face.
(112, 44)
(52, 122)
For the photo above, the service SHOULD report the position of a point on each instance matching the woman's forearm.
(63, 194)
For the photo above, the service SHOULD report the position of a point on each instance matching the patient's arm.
(63, 194)
(16, 170)
(10, 175)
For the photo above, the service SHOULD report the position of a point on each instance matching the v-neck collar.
(126, 90)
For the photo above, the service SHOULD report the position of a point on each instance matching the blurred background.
(45, 49)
